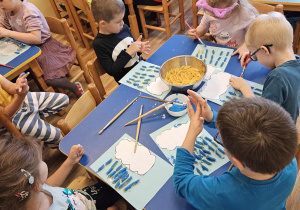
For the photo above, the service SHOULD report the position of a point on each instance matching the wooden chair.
(87, 16)
(296, 42)
(97, 71)
(164, 9)
(61, 27)
(82, 107)
(265, 8)
(60, 13)
(261, 8)
(6, 122)
(132, 20)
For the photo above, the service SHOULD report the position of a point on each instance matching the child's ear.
(102, 23)
(237, 163)
(266, 50)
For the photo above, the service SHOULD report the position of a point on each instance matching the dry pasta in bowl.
(184, 75)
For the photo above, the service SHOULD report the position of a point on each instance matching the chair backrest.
(88, 16)
(265, 8)
(82, 107)
(61, 27)
(96, 70)
(7, 123)
(132, 20)
(296, 42)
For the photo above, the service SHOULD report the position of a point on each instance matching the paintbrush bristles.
(113, 119)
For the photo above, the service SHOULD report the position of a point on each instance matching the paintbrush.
(123, 110)
(196, 34)
(7, 66)
(152, 110)
(138, 129)
(165, 101)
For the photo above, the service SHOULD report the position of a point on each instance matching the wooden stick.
(138, 129)
(152, 110)
(118, 115)
(165, 101)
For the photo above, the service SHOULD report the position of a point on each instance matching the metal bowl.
(177, 62)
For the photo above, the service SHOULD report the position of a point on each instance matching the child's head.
(109, 14)
(259, 133)
(19, 158)
(224, 8)
(269, 29)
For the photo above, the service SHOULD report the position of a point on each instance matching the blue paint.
(131, 185)
(227, 53)
(108, 162)
(228, 97)
(204, 142)
(146, 83)
(199, 172)
(225, 59)
(221, 53)
(177, 108)
(200, 56)
(117, 185)
(125, 183)
(206, 151)
(213, 143)
(216, 63)
(211, 159)
(134, 76)
(221, 150)
(109, 170)
(257, 93)
(119, 168)
(144, 74)
(232, 93)
(218, 154)
(219, 58)
(199, 146)
(142, 69)
(131, 79)
(208, 139)
(202, 153)
(115, 163)
(142, 77)
(211, 148)
(206, 162)
(151, 75)
(111, 174)
(137, 73)
(204, 168)
(210, 61)
(222, 64)
(100, 168)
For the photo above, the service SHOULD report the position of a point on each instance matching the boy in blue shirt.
(114, 45)
(260, 139)
(270, 39)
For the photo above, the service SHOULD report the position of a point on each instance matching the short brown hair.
(106, 9)
(259, 133)
(271, 28)
(16, 154)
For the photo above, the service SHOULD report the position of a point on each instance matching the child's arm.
(240, 84)
(20, 88)
(58, 178)
(32, 37)
(242, 50)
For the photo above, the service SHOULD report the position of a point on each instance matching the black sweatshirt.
(111, 52)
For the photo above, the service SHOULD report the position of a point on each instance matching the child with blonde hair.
(270, 39)
(21, 20)
(25, 184)
(227, 22)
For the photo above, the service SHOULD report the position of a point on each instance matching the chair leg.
(158, 19)
(143, 22)
(195, 11)
(181, 11)
(167, 22)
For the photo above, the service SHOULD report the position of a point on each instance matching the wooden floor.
(54, 158)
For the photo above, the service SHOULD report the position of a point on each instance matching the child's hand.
(192, 33)
(238, 83)
(4, 32)
(205, 109)
(145, 47)
(196, 121)
(243, 59)
(241, 51)
(135, 46)
(22, 87)
(75, 154)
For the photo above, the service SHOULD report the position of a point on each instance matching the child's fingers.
(190, 109)
(198, 109)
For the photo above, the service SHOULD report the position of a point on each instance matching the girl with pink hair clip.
(227, 22)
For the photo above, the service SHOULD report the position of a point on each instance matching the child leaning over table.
(260, 139)
(114, 45)
(270, 39)
(227, 22)
(27, 108)
(21, 20)
(25, 184)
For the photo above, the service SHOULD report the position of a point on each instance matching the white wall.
(44, 6)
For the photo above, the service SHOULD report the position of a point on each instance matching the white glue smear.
(157, 87)
(216, 86)
(140, 162)
(7, 48)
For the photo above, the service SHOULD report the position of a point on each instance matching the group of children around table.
(259, 134)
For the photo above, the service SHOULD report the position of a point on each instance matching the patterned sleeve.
(32, 19)
(4, 20)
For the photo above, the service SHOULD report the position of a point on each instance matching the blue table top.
(20, 61)
(86, 133)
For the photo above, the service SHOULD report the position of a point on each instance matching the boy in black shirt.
(114, 45)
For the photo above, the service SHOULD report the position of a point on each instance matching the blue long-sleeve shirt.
(232, 190)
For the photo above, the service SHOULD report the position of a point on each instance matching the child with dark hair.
(25, 184)
(114, 46)
(260, 139)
